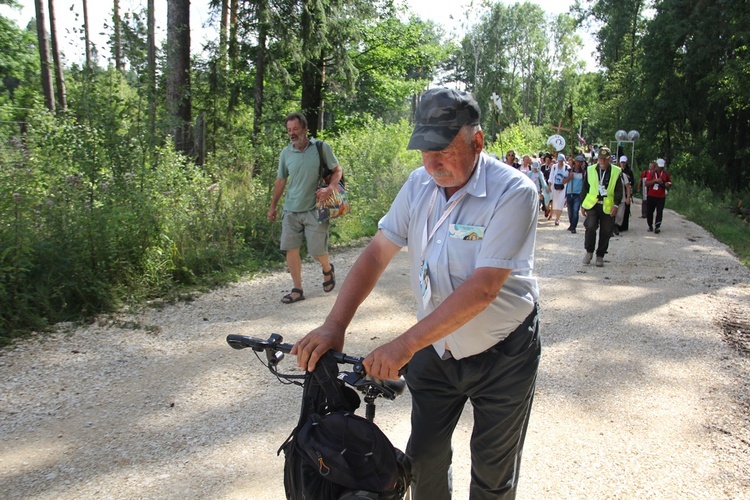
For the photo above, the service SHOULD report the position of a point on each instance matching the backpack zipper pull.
(323, 469)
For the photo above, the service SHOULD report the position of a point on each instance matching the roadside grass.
(714, 213)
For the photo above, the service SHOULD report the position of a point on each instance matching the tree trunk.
(311, 74)
(41, 33)
(178, 72)
(311, 95)
(62, 100)
(151, 42)
(234, 93)
(260, 67)
(262, 17)
(322, 105)
(86, 38)
(118, 35)
(223, 35)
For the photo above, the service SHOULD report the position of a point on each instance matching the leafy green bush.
(376, 164)
(522, 137)
(94, 219)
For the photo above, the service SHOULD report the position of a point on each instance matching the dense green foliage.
(528, 59)
(89, 226)
(97, 209)
(677, 71)
(522, 137)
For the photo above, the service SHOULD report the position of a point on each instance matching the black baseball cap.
(440, 115)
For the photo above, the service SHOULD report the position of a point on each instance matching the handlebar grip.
(238, 341)
(274, 343)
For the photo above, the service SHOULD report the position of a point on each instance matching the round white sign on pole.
(557, 141)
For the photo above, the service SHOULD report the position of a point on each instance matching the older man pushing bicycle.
(477, 334)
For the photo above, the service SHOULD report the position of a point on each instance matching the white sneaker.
(599, 261)
(587, 258)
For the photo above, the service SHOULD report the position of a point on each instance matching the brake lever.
(387, 389)
(273, 355)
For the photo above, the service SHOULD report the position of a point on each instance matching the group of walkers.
(602, 192)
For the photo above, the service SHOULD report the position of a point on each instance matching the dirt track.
(639, 395)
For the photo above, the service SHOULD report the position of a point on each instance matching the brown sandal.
(288, 299)
(331, 280)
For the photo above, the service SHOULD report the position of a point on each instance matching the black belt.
(518, 340)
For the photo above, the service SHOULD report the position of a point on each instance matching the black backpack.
(333, 453)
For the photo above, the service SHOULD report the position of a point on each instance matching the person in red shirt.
(657, 183)
(643, 190)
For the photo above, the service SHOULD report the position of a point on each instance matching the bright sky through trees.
(69, 18)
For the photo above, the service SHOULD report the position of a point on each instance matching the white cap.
(660, 163)
(535, 165)
(560, 157)
(623, 159)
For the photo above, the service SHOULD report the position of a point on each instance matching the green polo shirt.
(301, 169)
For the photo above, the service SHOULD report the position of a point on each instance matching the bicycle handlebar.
(275, 348)
(275, 342)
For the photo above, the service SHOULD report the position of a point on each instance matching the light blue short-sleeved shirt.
(494, 225)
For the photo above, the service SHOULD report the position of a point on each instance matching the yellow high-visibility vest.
(593, 195)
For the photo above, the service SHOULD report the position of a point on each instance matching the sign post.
(557, 141)
(496, 107)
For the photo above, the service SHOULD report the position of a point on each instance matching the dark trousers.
(657, 204)
(574, 209)
(500, 385)
(644, 207)
(596, 219)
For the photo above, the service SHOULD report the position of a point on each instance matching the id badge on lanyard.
(602, 187)
(424, 284)
(425, 289)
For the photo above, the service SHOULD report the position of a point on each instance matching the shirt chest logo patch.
(466, 232)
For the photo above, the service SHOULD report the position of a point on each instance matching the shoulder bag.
(337, 204)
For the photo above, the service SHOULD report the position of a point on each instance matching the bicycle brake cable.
(284, 378)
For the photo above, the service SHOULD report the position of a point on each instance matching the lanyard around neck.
(601, 176)
(425, 238)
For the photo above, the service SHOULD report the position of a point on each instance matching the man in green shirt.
(298, 174)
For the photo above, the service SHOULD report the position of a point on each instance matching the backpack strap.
(322, 393)
(326, 375)
(311, 398)
(323, 169)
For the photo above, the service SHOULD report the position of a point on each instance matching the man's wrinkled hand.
(324, 192)
(312, 346)
(386, 361)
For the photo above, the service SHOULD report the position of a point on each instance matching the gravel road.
(643, 388)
